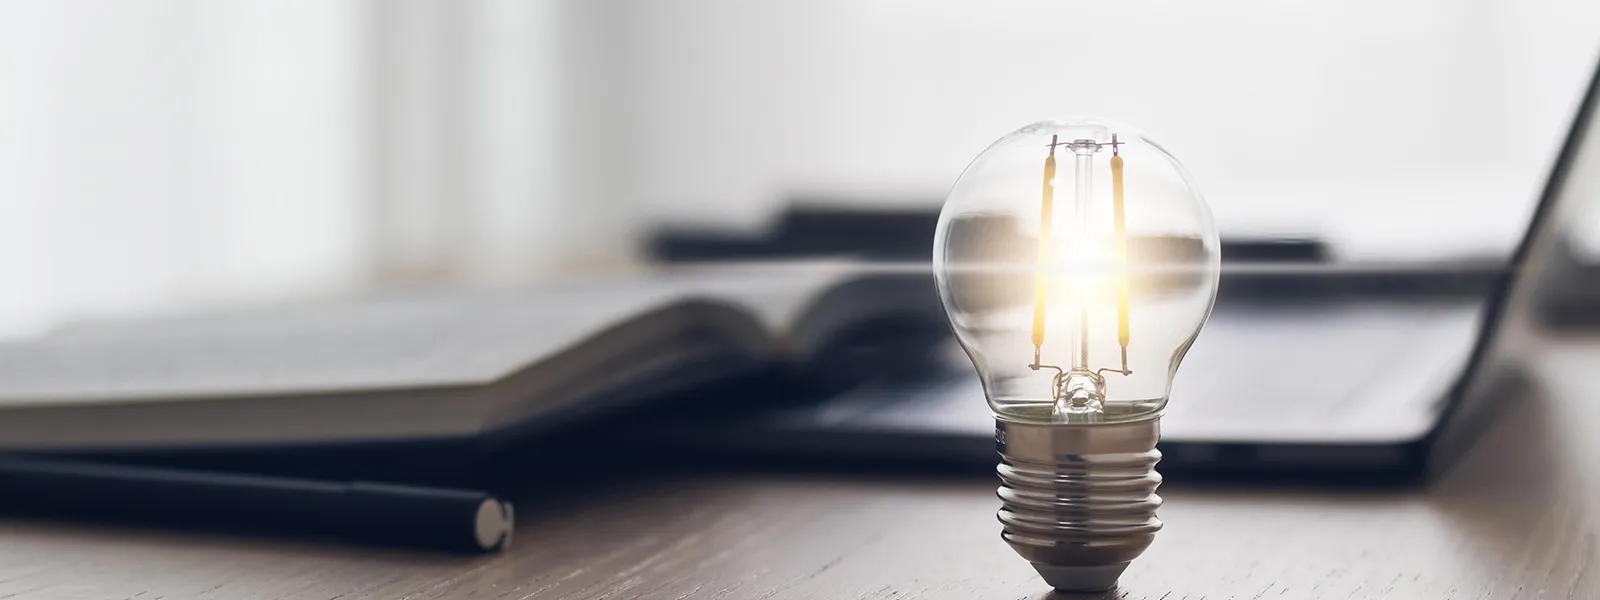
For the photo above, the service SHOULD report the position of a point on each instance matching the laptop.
(1353, 383)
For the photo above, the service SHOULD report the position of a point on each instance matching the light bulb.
(1077, 263)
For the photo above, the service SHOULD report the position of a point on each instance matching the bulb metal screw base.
(1079, 501)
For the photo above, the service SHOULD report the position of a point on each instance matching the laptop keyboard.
(1301, 364)
(1297, 365)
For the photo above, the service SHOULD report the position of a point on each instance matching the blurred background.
(163, 155)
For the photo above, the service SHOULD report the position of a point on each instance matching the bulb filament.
(1080, 388)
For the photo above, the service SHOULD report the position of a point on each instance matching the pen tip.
(495, 521)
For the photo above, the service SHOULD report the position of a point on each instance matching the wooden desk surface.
(1515, 519)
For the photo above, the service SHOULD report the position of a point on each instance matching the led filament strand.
(1121, 223)
(1041, 284)
(1120, 250)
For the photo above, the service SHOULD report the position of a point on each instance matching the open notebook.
(451, 365)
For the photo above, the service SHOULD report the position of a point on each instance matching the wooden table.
(1516, 518)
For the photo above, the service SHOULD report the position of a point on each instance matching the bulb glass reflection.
(1077, 262)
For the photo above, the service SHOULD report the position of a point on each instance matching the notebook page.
(428, 340)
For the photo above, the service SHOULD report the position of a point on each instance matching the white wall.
(168, 153)
(490, 140)
(1299, 114)
(158, 155)
(154, 153)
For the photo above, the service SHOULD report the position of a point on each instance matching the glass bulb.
(1077, 263)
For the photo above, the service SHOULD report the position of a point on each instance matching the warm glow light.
(1083, 264)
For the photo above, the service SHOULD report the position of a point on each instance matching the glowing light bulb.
(1077, 263)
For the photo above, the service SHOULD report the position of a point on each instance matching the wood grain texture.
(1516, 519)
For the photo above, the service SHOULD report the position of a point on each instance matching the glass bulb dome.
(1077, 263)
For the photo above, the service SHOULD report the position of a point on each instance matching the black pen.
(433, 518)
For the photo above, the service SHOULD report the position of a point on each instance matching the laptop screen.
(1564, 225)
